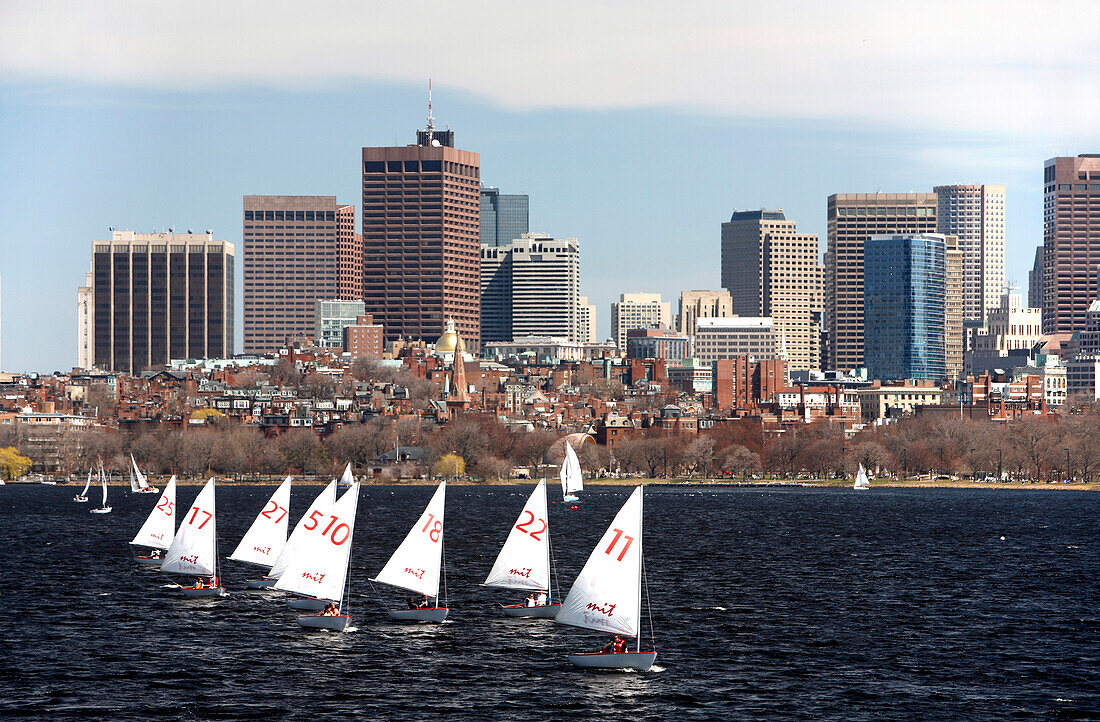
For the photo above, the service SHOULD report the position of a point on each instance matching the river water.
(784, 603)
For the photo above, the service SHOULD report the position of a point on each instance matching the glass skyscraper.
(904, 306)
(504, 218)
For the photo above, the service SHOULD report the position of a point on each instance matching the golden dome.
(448, 342)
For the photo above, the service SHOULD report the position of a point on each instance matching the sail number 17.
(195, 511)
(619, 535)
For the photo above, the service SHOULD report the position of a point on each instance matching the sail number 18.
(436, 528)
(619, 535)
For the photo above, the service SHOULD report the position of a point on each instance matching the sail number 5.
(619, 535)
(524, 526)
(341, 530)
(436, 528)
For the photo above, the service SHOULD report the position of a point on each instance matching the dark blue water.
(781, 603)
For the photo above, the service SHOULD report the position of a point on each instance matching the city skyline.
(170, 145)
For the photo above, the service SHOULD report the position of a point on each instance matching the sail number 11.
(619, 535)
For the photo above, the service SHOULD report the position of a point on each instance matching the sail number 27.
(619, 535)
(341, 530)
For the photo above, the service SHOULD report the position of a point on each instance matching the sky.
(636, 127)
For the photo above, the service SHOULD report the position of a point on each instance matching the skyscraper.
(159, 296)
(853, 218)
(975, 214)
(531, 287)
(504, 218)
(695, 305)
(421, 233)
(297, 250)
(772, 270)
(1071, 240)
(85, 306)
(637, 310)
(904, 286)
(587, 320)
(954, 298)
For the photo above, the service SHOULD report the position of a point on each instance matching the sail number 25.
(339, 532)
(619, 535)
(166, 506)
(524, 526)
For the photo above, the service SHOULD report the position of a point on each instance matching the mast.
(549, 569)
(641, 566)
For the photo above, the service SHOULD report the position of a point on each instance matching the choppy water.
(783, 603)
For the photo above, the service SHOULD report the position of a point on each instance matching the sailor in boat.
(542, 600)
(425, 603)
(330, 610)
(155, 554)
(530, 600)
(198, 583)
(617, 645)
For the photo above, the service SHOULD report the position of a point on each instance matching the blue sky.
(640, 144)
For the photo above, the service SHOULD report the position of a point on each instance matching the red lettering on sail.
(193, 559)
(608, 610)
(314, 577)
(262, 550)
(525, 573)
(418, 573)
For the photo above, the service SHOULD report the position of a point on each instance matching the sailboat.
(313, 516)
(103, 508)
(347, 478)
(194, 549)
(607, 594)
(82, 497)
(138, 484)
(319, 567)
(862, 483)
(159, 527)
(265, 539)
(571, 480)
(417, 562)
(524, 561)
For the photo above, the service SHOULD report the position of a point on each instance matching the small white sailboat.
(194, 549)
(524, 561)
(159, 528)
(319, 567)
(862, 483)
(265, 539)
(606, 596)
(324, 501)
(571, 478)
(82, 497)
(103, 508)
(138, 483)
(347, 478)
(416, 564)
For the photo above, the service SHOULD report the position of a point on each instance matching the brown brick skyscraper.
(421, 237)
(1071, 240)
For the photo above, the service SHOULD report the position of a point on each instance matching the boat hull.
(203, 593)
(308, 605)
(102, 510)
(316, 621)
(259, 583)
(80, 499)
(436, 615)
(570, 497)
(546, 611)
(148, 561)
(147, 490)
(640, 661)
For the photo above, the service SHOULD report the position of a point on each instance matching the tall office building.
(853, 218)
(770, 269)
(587, 320)
(975, 214)
(954, 301)
(531, 287)
(695, 305)
(504, 218)
(637, 310)
(159, 296)
(292, 259)
(421, 232)
(1071, 240)
(1035, 281)
(85, 304)
(904, 284)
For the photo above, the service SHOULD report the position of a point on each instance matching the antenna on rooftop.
(431, 119)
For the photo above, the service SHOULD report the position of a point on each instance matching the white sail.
(861, 478)
(319, 567)
(571, 479)
(415, 565)
(194, 548)
(160, 526)
(313, 515)
(266, 538)
(606, 596)
(136, 476)
(347, 477)
(87, 485)
(103, 478)
(134, 488)
(524, 560)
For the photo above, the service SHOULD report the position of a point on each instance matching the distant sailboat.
(606, 596)
(159, 527)
(82, 497)
(862, 482)
(571, 478)
(265, 539)
(194, 549)
(316, 511)
(524, 560)
(417, 562)
(347, 478)
(103, 508)
(138, 484)
(319, 567)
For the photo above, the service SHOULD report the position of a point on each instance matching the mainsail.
(160, 526)
(416, 563)
(606, 596)
(319, 566)
(571, 479)
(524, 560)
(194, 548)
(347, 477)
(316, 510)
(266, 537)
(862, 482)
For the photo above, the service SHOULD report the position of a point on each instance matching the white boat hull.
(640, 661)
(80, 499)
(437, 614)
(861, 488)
(148, 490)
(203, 592)
(102, 510)
(259, 583)
(546, 611)
(316, 621)
(308, 605)
(570, 497)
(148, 561)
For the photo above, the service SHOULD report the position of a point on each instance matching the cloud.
(1000, 67)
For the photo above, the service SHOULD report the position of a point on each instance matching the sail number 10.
(619, 535)
(339, 532)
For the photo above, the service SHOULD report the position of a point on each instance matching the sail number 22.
(524, 526)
